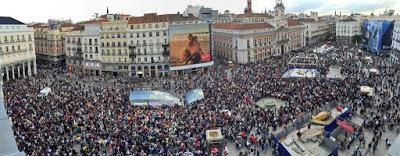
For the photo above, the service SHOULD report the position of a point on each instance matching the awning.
(194, 95)
(346, 126)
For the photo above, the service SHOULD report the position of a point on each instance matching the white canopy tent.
(44, 92)
(367, 90)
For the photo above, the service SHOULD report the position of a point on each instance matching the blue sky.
(77, 10)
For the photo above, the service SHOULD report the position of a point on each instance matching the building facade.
(17, 49)
(315, 31)
(249, 42)
(49, 42)
(347, 28)
(149, 45)
(73, 49)
(123, 45)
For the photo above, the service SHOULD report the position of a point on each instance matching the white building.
(315, 31)
(73, 49)
(249, 42)
(148, 43)
(91, 49)
(347, 28)
(395, 55)
(17, 49)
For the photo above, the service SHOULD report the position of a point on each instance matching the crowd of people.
(96, 118)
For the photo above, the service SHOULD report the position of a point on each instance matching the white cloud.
(41, 10)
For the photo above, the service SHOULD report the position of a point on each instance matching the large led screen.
(377, 35)
(190, 46)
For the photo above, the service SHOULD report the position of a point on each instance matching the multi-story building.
(114, 45)
(395, 54)
(315, 31)
(91, 48)
(249, 42)
(123, 45)
(73, 49)
(49, 42)
(347, 28)
(17, 49)
(148, 40)
(204, 13)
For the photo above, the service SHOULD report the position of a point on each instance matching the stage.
(301, 73)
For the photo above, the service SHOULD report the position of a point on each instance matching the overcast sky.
(78, 10)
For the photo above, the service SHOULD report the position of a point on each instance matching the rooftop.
(253, 15)
(242, 26)
(306, 20)
(154, 18)
(347, 20)
(9, 21)
(293, 22)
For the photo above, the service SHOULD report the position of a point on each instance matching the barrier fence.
(296, 125)
(304, 119)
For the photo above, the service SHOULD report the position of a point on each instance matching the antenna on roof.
(107, 10)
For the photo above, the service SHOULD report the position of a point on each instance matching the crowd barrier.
(294, 126)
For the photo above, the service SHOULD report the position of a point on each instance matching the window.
(150, 34)
(157, 33)
(131, 26)
(165, 33)
(137, 35)
(90, 41)
(144, 34)
(118, 36)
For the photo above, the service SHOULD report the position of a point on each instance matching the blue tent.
(194, 95)
(152, 98)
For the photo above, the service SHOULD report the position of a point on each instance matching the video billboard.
(377, 35)
(190, 46)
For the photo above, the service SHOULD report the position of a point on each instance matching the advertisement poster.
(190, 46)
(377, 35)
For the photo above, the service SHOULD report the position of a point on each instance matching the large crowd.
(87, 117)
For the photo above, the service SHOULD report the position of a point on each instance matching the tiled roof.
(78, 27)
(98, 20)
(253, 15)
(68, 25)
(148, 18)
(242, 26)
(39, 25)
(154, 18)
(9, 21)
(347, 20)
(306, 20)
(293, 22)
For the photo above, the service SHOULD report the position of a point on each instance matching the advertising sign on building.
(190, 46)
(377, 35)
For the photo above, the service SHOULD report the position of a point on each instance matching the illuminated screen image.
(377, 35)
(190, 46)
